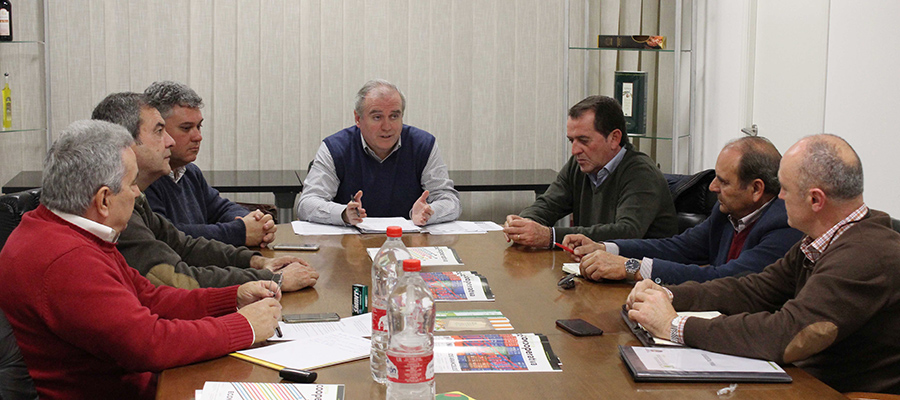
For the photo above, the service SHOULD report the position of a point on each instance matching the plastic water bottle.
(386, 269)
(410, 353)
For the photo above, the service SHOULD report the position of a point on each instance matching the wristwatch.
(632, 266)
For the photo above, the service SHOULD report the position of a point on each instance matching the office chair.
(896, 223)
(692, 198)
(15, 383)
(12, 206)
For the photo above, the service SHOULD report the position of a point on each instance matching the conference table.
(524, 282)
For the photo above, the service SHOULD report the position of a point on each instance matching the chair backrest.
(12, 206)
(896, 223)
(692, 198)
(15, 383)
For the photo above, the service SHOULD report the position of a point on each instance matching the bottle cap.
(412, 265)
(394, 231)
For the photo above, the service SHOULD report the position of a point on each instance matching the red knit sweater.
(91, 327)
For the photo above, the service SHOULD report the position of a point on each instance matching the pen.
(564, 248)
(357, 208)
(278, 278)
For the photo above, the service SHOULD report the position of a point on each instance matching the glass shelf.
(22, 41)
(615, 48)
(645, 136)
(22, 130)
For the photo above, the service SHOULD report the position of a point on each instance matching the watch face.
(632, 265)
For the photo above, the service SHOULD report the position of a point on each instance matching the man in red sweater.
(88, 325)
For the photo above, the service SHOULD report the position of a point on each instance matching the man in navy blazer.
(747, 230)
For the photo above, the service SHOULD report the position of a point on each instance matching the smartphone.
(321, 317)
(296, 247)
(578, 327)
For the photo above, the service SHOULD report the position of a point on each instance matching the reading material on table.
(312, 228)
(572, 268)
(430, 256)
(668, 364)
(471, 320)
(269, 391)
(508, 352)
(331, 348)
(380, 224)
(462, 228)
(458, 286)
(648, 340)
(357, 325)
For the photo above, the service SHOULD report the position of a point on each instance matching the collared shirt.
(597, 179)
(813, 248)
(600, 176)
(740, 224)
(97, 229)
(177, 173)
(371, 152)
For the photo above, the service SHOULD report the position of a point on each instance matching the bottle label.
(4, 22)
(416, 369)
(379, 320)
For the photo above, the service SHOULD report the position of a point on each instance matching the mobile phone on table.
(320, 317)
(578, 327)
(296, 247)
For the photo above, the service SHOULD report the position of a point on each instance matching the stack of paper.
(331, 348)
(462, 228)
(430, 256)
(380, 224)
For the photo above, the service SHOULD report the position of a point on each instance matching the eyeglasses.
(567, 282)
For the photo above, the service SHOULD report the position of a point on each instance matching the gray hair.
(759, 160)
(374, 84)
(86, 157)
(124, 109)
(167, 94)
(831, 164)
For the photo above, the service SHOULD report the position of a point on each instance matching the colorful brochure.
(509, 352)
(269, 391)
(458, 286)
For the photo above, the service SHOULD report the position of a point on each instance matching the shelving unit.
(28, 63)
(671, 72)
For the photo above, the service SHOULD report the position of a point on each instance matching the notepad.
(671, 364)
(331, 348)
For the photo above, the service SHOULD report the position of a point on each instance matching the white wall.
(815, 71)
(863, 93)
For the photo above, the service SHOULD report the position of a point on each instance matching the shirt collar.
(97, 229)
(177, 173)
(607, 170)
(813, 248)
(371, 152)
(743, 223)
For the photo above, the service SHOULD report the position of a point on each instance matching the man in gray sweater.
(830, 306)
(612, 190)
(153, 246)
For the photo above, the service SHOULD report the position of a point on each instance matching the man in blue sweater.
(398, 167)
(183, 196)
(747, 231)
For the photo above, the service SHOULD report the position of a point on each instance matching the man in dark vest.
(397, 166)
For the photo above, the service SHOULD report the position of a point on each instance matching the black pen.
(278, 278)
(352, 199)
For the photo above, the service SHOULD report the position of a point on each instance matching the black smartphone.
(320, 317)
(578, 327)
(296, 247)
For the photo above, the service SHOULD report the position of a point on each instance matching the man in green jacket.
(612, 190)
(153, 246)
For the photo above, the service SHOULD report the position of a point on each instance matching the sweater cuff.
(238, 330)
(221, 301)
(244, 255)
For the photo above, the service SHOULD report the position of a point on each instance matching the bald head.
(829, 163)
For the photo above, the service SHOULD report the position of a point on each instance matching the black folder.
(643, 374)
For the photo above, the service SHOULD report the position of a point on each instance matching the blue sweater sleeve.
(699, 253)
(196, 209)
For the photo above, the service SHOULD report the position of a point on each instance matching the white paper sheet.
(430, 256)
(462, 228)
(380, 224)
(274, 391)
(357, 325)
(312, 228)
(331, 348)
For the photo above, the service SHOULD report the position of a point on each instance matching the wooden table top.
(524, 284)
